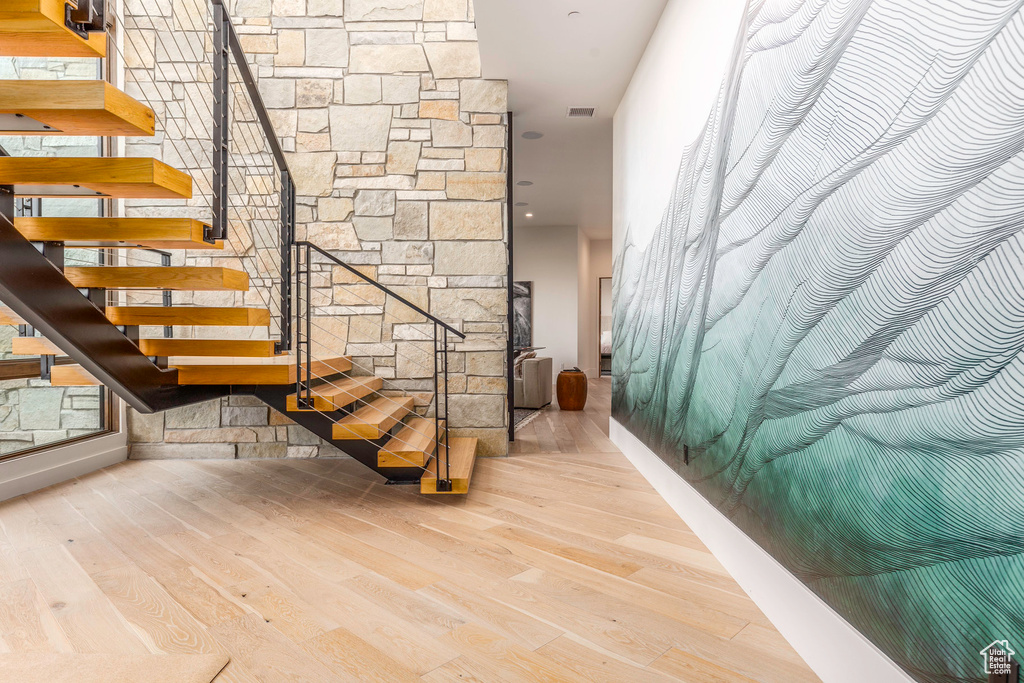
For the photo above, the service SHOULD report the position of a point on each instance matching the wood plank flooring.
(562, 564)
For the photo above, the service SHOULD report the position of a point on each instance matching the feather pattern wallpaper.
(830, 315)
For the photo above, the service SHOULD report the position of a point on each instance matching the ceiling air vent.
(581, 112)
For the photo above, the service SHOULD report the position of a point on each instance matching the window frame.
(110, 409)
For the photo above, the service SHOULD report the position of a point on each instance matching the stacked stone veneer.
(397, 147)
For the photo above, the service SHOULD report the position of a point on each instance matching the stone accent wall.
(398, 151)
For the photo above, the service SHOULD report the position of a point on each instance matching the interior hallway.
(561, 564)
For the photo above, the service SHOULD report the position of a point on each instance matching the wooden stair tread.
(243, 348)
(373, 421)
(339, 393)
(188, 316)
(118, 233)
(413, 446)
(183, 278)
(34, 346)
(72, 376)
(9, 317)
(71, 108)
(35, 28)
(250, 371)
(127, 178)
(463, 457)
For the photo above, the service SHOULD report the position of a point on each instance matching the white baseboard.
(835, 650)
(46, 468)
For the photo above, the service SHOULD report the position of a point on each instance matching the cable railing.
(307, 256)
(212, 123)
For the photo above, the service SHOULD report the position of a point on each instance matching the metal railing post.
(221, 124)
(447, 451)
(298, 332)
(287, 240)
(168, 299)
(308, 312)
(444, 475)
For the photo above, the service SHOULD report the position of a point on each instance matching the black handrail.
(383, 288)
(304, 348)
(251, 87)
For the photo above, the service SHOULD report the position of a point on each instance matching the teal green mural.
(830, 315)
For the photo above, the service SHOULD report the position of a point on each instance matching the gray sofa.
(534, 388)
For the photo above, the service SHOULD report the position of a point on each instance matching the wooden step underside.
(35, 28)
(185, 278)
(373, 421)
(413, 446)
(71, 376)
(463, 457)
(9, 317)
(125, 178)
(238, 348)
(71, 108)
(188, 316)
(250, 371)
(118, 233)
(34, 346)
(339, 393)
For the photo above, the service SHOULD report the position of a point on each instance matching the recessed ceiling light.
(522, 203)
(529, 215)
(533, 135)
(574, 15)
(524, 183)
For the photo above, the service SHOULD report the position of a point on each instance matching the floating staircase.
(36, 28)
(188, 316)
(335, 396)
(177, 279)
(374, 420)
(71, 108)
(415, 445)
(9, 317)
(119, 233)
(72, 376)
(237, 348)
(34, 346)
(94, 177)
(86, 343)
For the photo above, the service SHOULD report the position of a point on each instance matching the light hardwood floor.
(562, 564)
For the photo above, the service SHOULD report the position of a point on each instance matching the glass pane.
(32, 413)
(7, 332)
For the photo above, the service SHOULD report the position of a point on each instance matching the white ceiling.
(552, 62)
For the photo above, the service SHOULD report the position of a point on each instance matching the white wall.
(549, 258)
(664, 109)
(666, 106)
